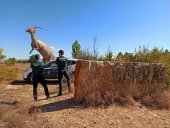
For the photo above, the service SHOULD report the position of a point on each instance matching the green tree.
(128, 57)
(76, 49)
(156, 54)
(142, 54)
(120, 57)
(1, 54)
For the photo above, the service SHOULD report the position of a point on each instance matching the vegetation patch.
(157, 101)
(124, 99)
(20, 117)
(8, 73)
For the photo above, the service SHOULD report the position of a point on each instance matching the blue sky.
(121, 24)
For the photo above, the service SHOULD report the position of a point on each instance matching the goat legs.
(31, 50)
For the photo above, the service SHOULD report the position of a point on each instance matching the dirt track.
(63, 112)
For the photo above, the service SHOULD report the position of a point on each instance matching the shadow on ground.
(57, 106)
(18, 82)
(23, 82)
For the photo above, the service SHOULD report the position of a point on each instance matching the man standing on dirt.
(62, 63)
(38, 77)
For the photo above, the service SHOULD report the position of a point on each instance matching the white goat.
(40, 46)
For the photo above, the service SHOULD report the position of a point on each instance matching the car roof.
(54, 61)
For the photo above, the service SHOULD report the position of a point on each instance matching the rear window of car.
(50, 63)
(73, 62)
(70, 62)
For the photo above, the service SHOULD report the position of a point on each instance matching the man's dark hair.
(61, 51)
(37, 56)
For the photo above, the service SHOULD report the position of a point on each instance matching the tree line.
(11, 60)
(141, 54)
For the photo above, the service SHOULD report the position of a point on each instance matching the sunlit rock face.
(99, 80)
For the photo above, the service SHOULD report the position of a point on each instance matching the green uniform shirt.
(62, 62)
(37, 67)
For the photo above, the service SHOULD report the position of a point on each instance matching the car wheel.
(29, 79)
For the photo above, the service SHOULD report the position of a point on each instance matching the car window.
(53, 64)
(49, 64)
(73, 62)
(70, 62)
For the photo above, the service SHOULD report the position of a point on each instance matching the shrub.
(8, 72)
(17, 117)
(10, 61)
(22, 61)
(124, 99)
(157, 101)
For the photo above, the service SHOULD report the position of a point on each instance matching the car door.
(50, 70)
(71, 66)
(46, 70)
(53, 71)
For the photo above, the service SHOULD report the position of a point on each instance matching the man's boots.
(60, 91)
(69, 89)
(35, 98)
(47, 97)
(59, 94)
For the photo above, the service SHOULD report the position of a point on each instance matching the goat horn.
(37, 27)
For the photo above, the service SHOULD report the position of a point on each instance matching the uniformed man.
(62, 63)
(37, 67)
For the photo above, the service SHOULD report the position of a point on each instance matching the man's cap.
(61, 51)
(37, 56)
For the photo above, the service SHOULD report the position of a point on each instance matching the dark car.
(50, 70)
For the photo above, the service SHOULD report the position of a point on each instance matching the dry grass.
(108, 98)
(157, 101)
(98, 99)
(124, 99)
(8, 73)
(12, 72)
(60, 112)
(20, 116)
(22, 67)
(3, 110)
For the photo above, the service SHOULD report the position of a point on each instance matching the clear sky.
(122, 24)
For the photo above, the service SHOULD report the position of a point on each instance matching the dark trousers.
(60, 76)
(39, 79)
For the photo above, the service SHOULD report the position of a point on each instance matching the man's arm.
(57, 60)
(31, 65)
(67, 62)
(43, 65)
